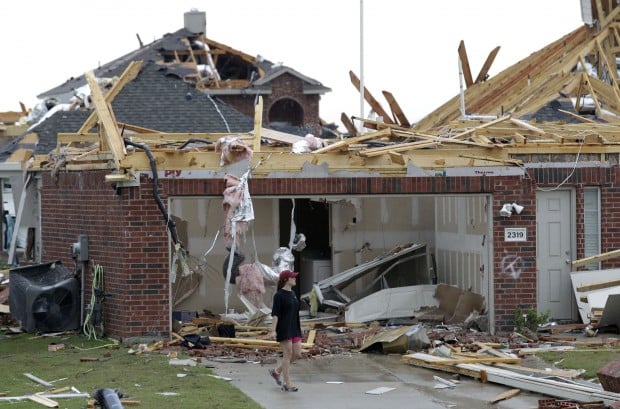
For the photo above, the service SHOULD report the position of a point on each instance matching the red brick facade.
(127, 232)
(285, 86)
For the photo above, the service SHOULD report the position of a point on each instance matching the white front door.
(555, 234)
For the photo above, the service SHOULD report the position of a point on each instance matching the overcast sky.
(410, 47)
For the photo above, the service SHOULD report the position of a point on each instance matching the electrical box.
(79, 249)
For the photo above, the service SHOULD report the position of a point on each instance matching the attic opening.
(233, 67)
(286, 111)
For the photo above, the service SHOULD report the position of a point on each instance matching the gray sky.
(410, 48)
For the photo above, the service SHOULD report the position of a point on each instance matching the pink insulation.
(233, 150)
(250, 283)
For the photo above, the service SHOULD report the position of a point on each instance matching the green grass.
(143, 377)
(591, 362)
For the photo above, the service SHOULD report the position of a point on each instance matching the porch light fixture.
(508, 208)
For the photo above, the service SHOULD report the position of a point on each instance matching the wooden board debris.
(505, 395)
(42, 400)
(374, 104)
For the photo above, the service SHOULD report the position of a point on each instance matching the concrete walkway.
(342, 382)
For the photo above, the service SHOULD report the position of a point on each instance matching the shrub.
(530, 319)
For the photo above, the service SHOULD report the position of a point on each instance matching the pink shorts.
(295, 339)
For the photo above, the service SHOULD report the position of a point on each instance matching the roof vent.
(195, 21)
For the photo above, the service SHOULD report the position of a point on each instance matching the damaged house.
(499, 189)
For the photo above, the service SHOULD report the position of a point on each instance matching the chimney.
(196, 21)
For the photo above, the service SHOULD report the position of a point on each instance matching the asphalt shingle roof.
(158, 98)
(163, 102)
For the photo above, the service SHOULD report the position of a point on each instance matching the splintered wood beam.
(401, 147)
(578, 117)
(484, 71)
(485, 125)
(602, 92)
(258, 123)
(491, 159)
(128, 75)
(135, 128)
(595, 259)
(597, 286)
(348, 124)
(525, 125)
(42, 400)
(611, 16)
(397, 158)
(613, 71)
(374, 104)
(599, 11)
(349, 141)
(580, 88)
(396, 110)
(465, 65)
(106, 118)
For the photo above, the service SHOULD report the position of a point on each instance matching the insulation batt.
(233, 150)
(308, 144)
(233, 195)
(250, 283)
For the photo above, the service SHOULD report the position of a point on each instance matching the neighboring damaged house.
(504, 185)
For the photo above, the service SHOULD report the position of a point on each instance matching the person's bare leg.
(296, 352)
(287, 352)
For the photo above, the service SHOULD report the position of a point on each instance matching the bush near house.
(529, 319)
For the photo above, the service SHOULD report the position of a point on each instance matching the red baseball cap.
(286, 274)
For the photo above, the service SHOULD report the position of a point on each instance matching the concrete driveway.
(342, 382)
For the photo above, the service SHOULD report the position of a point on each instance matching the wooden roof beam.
(484, 71)
(612, 70)
(528, 126)
(468, 132)
(108, 127)
(374, 104)
(396, 110)
(258, 123)
(588, 83)
(344, 143)
(610, 17)
(599, 11)
(606, 93)
(128, 75)
(465, 65)
(348, 124)
(369, 123)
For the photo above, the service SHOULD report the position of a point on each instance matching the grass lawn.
(148, 378)
(590, 360)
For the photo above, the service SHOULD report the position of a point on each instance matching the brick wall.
(128, 235)
(284, 86)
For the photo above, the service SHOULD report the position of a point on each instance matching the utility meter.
(79, 249)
